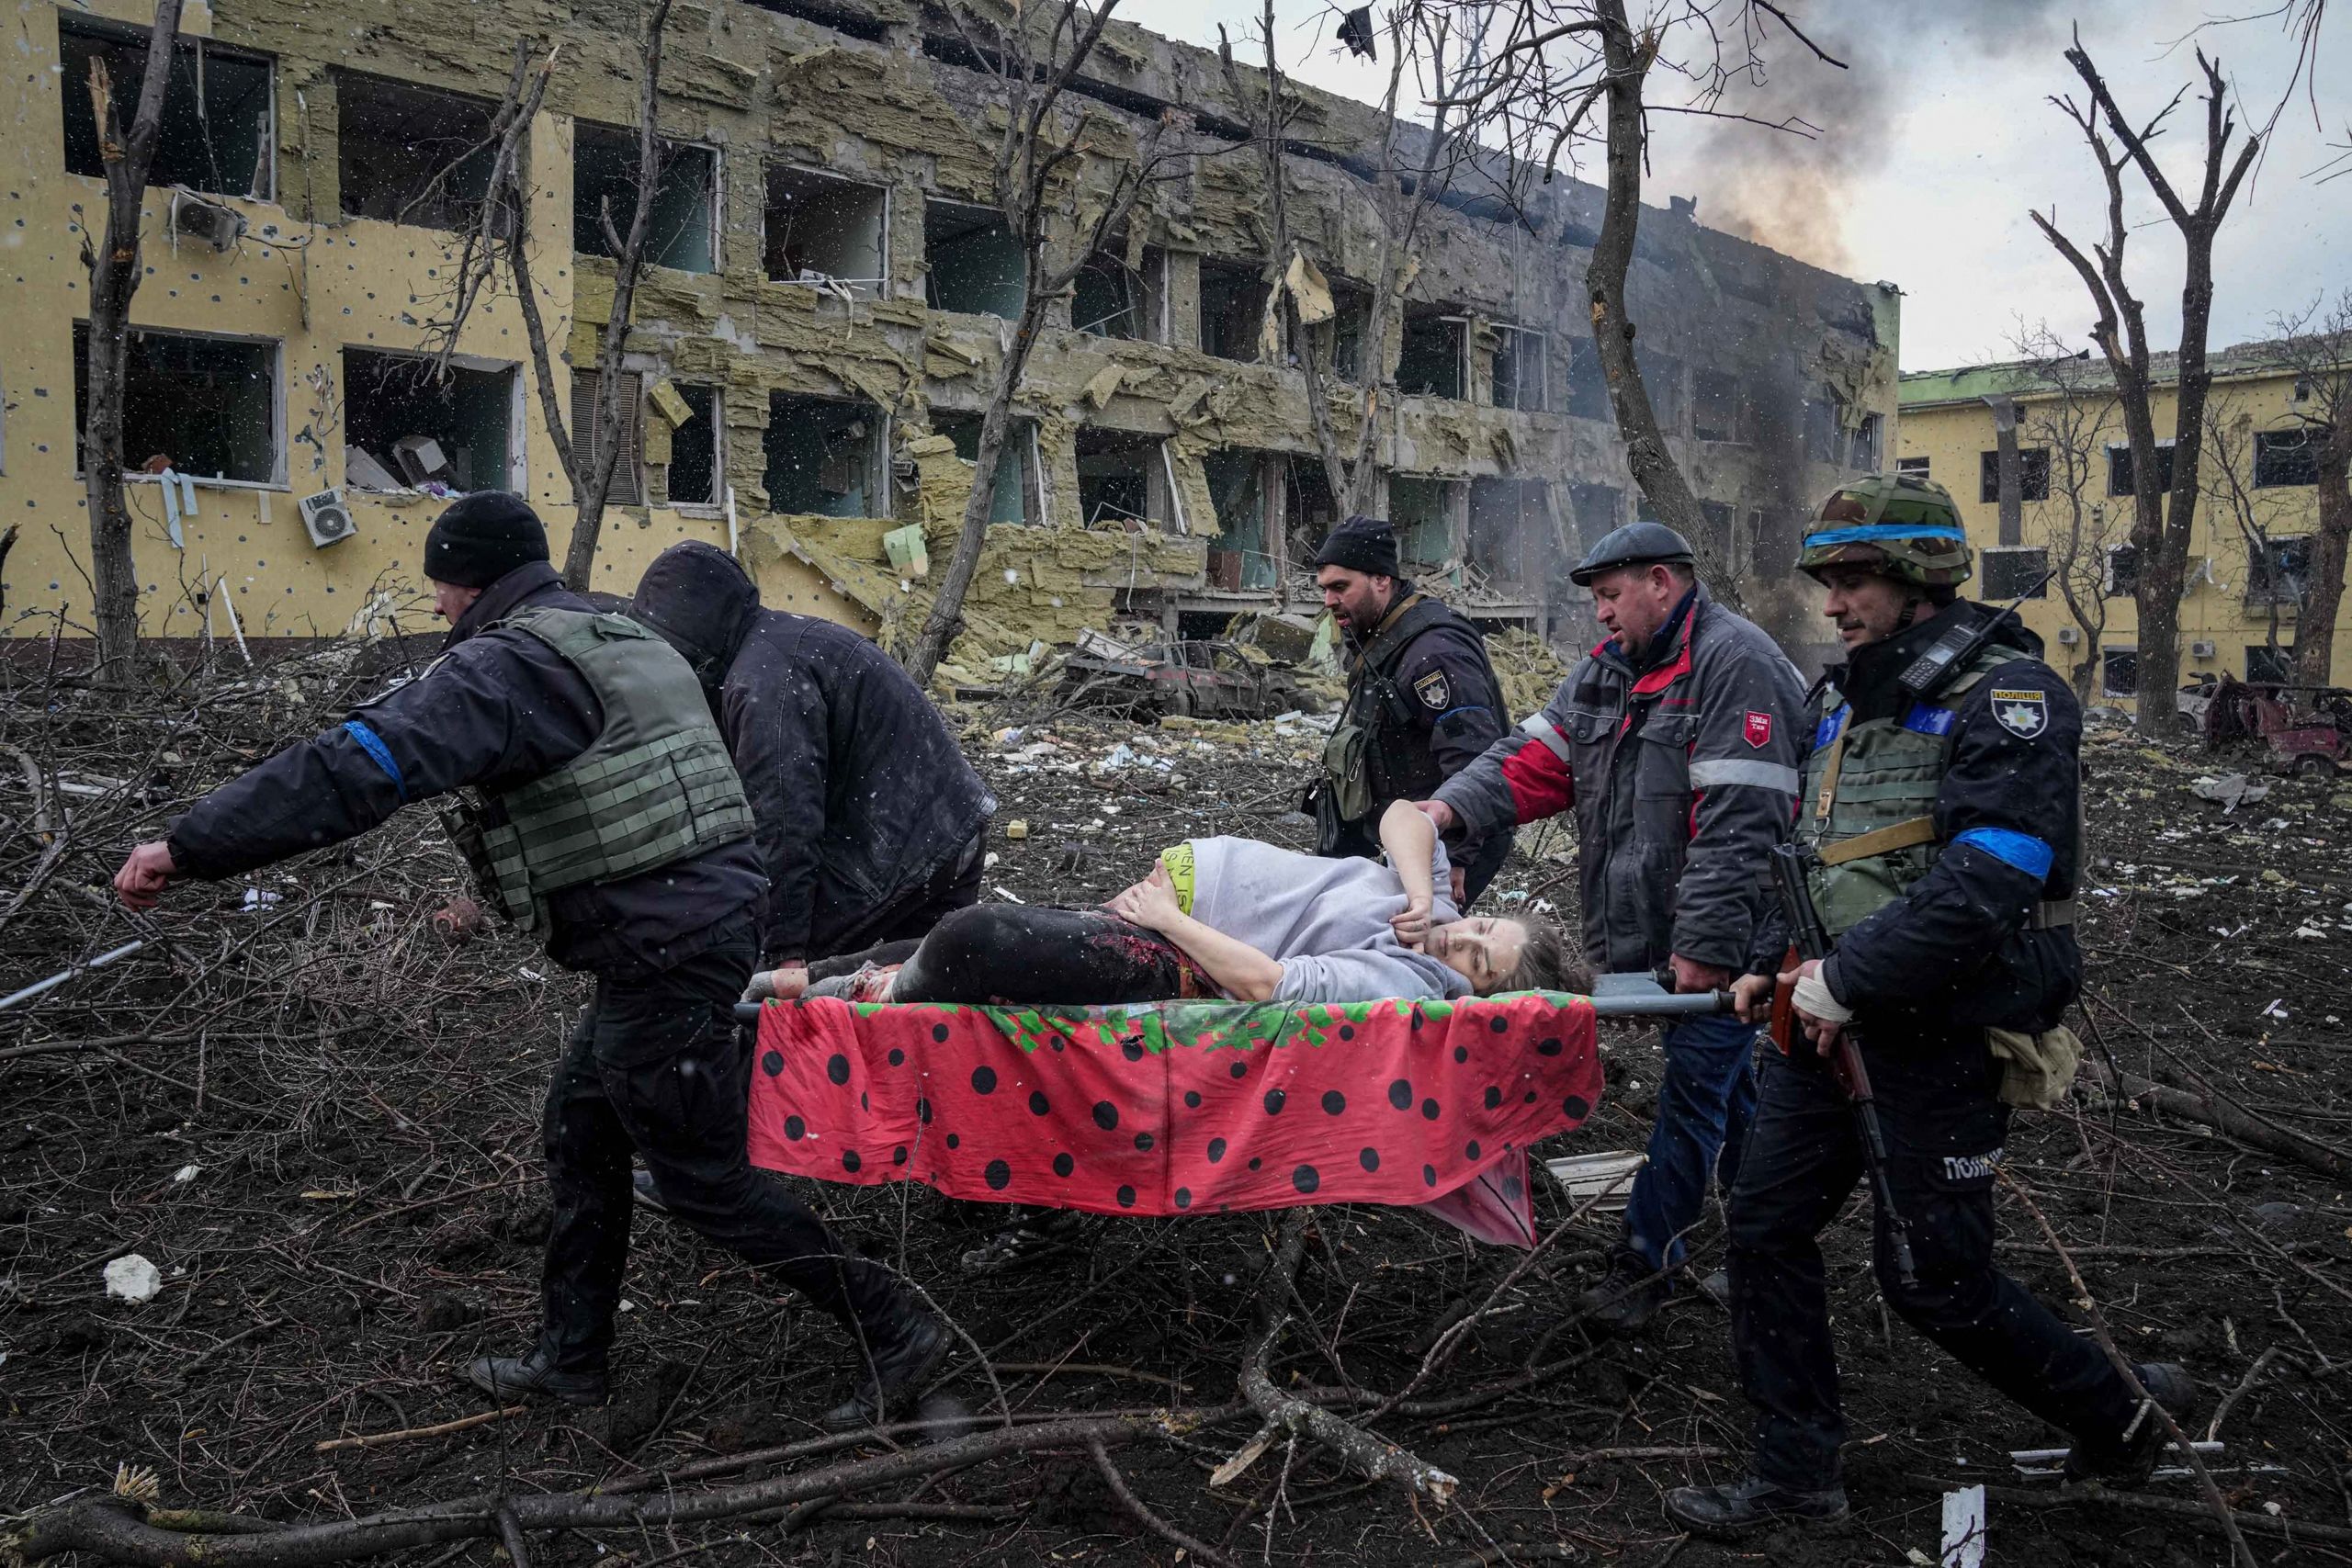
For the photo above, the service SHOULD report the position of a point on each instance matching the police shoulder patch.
(1433, 691)
(2024, 714)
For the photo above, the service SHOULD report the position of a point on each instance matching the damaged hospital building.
(811, 346)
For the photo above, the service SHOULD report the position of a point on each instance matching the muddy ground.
(318, 1119)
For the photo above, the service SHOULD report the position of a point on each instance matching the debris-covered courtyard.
(315, 1115)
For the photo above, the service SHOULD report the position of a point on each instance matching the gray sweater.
(1326, 921)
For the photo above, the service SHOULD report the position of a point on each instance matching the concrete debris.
(2231, 789)
(132, 1279)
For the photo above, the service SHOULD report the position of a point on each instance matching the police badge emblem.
(1432, 690)
(2023, 714)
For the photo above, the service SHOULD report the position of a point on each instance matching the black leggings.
(1019, 954)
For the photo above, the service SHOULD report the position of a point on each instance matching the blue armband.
(373, 744)
(2023, 851)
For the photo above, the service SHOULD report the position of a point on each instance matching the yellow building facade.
(2250, 551)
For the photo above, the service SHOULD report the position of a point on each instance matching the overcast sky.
(1939, 139)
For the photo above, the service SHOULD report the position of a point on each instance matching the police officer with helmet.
(1940, 820)
(1672, 742)
(1422, 700)
(602, 813)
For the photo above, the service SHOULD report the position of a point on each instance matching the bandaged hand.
(1150, 903)
(1822, 1013)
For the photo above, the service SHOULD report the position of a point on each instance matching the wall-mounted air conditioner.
(2201, 649)
(218, 226)
(327, 518)
(2070, 636)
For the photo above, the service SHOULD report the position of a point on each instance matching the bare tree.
(2318, 346)
(2067, 407)
(1039, 159)
(1405, 186)
(2160, 531)
(591, 486)
(115, 272)
(2274, 582)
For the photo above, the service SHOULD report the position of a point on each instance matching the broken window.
(841, 18)
(1013, 497)
(2120, 472)
(1598, 509)
(1434, 361)
(1588, 383)
(2034, 475)
(408, 428)
(1824, 437)
(215, 132)
(1238, 560)
(2009, 572)
(825, 456)
(628, 488)
(205, 406)
(1917, 468)
(2285, 458)
(2269, 666)
(1308, 507)
(1424, 510)
(698, 459)
(1121, 478)
(411, 154)
(2119, 671)
(680, 229)
(1720, 410)
(976, 264)
(1351, 319)
(1521, 370)
(1233, 309)
(1662, 379)
(2122, 570)
(1510, 536)
(1865, 453)
(822, 230)
(1718, 517)
(1113, 300)
(2280, 575)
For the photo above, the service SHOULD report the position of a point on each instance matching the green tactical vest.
(657, 786)
(1869, 798)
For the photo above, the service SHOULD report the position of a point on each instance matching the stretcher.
(1175, 1107)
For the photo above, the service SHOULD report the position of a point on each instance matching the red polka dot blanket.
(1182, 1107)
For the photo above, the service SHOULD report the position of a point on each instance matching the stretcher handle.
(1686, 1004)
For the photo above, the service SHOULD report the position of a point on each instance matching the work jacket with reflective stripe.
(1957, 941)
(1683, 772)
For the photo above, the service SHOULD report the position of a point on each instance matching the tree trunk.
(944, 624)
(115, 272)
(2316, 625)
(592, 487)
(1628, 62)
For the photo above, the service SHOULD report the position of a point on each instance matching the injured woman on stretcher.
(1226, 918)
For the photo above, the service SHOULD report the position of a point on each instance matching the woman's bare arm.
(1410, 838)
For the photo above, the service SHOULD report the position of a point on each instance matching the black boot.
(530, 1377)
(1753, 1504)
(640, 1185)
(1628, 1296)
(903, 1346)
(2129, 1462)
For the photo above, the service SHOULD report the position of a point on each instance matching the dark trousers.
(1704, 1106)
(910, 913)
(1802, 1161)
(1021, 953)
(658, 1064)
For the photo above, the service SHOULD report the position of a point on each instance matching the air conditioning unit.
(2070, 636)
(2201, 649)
(327, 518)
(220, 227)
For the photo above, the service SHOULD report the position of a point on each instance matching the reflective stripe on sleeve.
(1543, 729)
(1716, 771)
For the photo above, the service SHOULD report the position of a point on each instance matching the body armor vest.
(1869, 798)
(1354, 769)
(655, 785)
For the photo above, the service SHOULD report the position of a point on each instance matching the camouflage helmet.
(1893, 524)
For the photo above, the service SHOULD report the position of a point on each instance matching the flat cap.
(1635, 544)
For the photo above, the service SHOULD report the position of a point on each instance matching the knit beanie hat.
(1361, 544)
(482, 537)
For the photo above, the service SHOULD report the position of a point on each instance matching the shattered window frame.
(1024, 451)
(130, 40)
(1587, 392)
(1712, 392)
(459, 198)
(1422, 319)
(594, 139)
(273, 351)
(716, 392)
(2034, 475)
(2119, 473)
(873, 288)
(1160, 492)
(514, 470)
(2267, 666)
(1867, 440)
(1107, 269)
(1239, 283)
(2285, 458)
(2119, 671)
(1528, 393)
(873, 490)
(2015, 565)
(1915, 468)
(937, 210)
(2121, 576)
(2279, 572)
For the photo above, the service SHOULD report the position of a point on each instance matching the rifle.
(1810, 938)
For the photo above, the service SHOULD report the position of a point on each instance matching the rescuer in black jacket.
(869, 821)
(1423, 703)
(638, 867)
